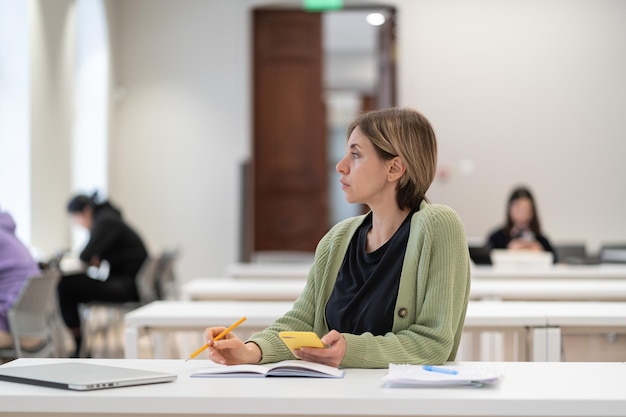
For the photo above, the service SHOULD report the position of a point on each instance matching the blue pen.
(431, 368)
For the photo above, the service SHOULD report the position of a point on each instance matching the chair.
(33, 316)
(480, 255)
(105, 319)
(156, 280)
(166, 283)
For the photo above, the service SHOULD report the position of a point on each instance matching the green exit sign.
(320, 5)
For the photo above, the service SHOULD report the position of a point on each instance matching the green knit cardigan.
(430, 307)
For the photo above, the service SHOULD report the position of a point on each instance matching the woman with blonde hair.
(390, 286)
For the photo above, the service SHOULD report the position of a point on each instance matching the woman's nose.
(341, 166)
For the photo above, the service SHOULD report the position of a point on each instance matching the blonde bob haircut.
(407, 134)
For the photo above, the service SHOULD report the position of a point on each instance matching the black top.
(112, 239)
(499, 239)
(364, 296)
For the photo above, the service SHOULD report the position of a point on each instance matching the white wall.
(524, 91)
(181, 125)
(52, 40)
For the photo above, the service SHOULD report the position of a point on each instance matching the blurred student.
(522, 230)
(390, 286)
(112, 258)
(17, 265)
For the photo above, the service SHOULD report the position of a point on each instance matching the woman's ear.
(396, 169)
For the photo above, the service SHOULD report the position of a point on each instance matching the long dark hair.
(523, 192)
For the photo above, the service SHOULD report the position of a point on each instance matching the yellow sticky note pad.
(296, 340)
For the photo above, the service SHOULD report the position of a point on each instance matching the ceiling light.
(375, 19)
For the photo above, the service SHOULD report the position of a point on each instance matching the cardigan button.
(403, 312)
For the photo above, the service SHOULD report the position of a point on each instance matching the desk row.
(214, 289)
(559, 271)
(537, 324)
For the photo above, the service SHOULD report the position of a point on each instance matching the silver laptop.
(81, 376)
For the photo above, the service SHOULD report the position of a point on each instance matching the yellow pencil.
(218, 337)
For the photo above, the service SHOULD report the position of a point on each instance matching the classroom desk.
(549, 389)
(580, 317)
(541, 322)
(160, 316)
(212, 289)
(269, 270)
(559, 317)
(548, 289)
(558, 271)
(525, 324)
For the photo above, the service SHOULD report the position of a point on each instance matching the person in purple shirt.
(16, 266)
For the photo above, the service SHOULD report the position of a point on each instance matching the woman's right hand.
(230, 350)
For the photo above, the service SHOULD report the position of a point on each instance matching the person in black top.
(114, 246)
(522, 229)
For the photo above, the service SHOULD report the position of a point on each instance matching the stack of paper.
(418, 375)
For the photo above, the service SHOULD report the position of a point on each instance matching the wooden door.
(290, 180)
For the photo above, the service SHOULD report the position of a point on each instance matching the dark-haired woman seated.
(114, 246)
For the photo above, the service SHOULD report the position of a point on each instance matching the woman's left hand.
(332, 355)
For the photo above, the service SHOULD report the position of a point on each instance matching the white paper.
(400, 375)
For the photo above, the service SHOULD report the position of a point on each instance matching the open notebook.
(285, 368)
(81, 376)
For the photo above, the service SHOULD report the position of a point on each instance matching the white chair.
(33, 317)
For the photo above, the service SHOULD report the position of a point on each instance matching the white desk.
(575, 389)
(215, 289)
(515, 319)
(542, 321)
(162, 316)
(197, 315)
(591, 272)
(269, 270)
(212, 289)
(580, 317)
(549, 289)
(559, 271)
(558, 317)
